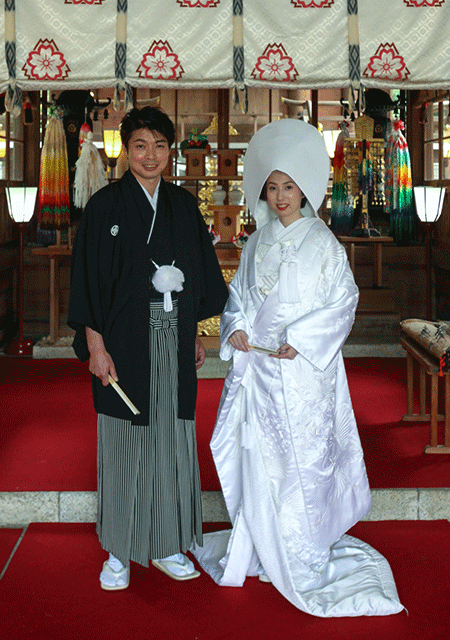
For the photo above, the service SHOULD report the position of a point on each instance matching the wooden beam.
(223, 112)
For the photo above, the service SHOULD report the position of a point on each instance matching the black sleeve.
(85, 307)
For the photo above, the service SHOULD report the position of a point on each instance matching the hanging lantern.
(429, 201)
(113, 146)
(21, 202)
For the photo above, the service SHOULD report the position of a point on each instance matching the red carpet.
(48, 427)
(8, 538)
(50, 591)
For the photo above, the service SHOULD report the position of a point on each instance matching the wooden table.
(54, 254)
(428, 365)
(377, 242)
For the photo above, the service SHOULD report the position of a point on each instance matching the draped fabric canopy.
(85, 44)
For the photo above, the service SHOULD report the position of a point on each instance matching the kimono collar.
(284, 233)
(275, 232)
(154, 198)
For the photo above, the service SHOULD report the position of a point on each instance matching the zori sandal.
(177, 567)
(111, 580)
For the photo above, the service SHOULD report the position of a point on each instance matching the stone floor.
(21, 508)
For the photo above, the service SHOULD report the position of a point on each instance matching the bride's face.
(284, 197)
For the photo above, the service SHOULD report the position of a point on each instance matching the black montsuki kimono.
(110, 288)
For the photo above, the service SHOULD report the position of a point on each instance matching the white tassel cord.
(90, 173)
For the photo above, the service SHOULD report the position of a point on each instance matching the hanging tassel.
(27, 112)
(399, 192)
(341, 215)
(236, 99)
(90, 173)
(13, 100)
(85, 129)
(54, 198)
(116, 99)
(128, 98)
(241, 98)
(351, 98)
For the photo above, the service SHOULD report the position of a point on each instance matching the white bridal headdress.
(293, 147)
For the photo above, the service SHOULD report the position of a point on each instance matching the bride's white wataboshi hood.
(293, 147)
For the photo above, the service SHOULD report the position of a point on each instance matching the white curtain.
(405, 44)
(68, 44)
(171, 44)
(288, 44)
(64, 46)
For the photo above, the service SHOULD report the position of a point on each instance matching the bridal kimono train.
(286, 445)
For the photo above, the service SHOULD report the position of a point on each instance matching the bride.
(285, 444)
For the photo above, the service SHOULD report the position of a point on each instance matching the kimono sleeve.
(84, 303)
(233, 316)
(320, 334)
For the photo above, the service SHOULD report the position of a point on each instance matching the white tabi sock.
(115, 564)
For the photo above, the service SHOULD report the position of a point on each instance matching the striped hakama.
(148, 478)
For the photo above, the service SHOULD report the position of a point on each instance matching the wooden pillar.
(415, 136)
(176, 119)
(223, 110)
(223, 117)
(32, 153)
(315, 107)
(410, 385)
(31, 142)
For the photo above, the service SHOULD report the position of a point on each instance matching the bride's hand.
(285, 351)
(239, 340)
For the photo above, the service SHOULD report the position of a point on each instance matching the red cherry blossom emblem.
(387, 64)
(160, 63)
(46, 62)
(198, 3)
(84, 1)
(312, 4)
(424, 3)
(275, 64)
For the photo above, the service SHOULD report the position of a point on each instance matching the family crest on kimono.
(285, 444)
(144, 272)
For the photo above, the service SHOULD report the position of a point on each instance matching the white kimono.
(285, 444)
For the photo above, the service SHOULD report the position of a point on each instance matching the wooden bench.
(428, 365)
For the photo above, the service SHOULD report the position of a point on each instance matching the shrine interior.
(395, 292)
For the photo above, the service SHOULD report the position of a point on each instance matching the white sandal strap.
(112, 578)
(178, 564)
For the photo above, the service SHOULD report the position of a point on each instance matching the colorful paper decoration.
(398, 188)
(341, 216)
(54, 198)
